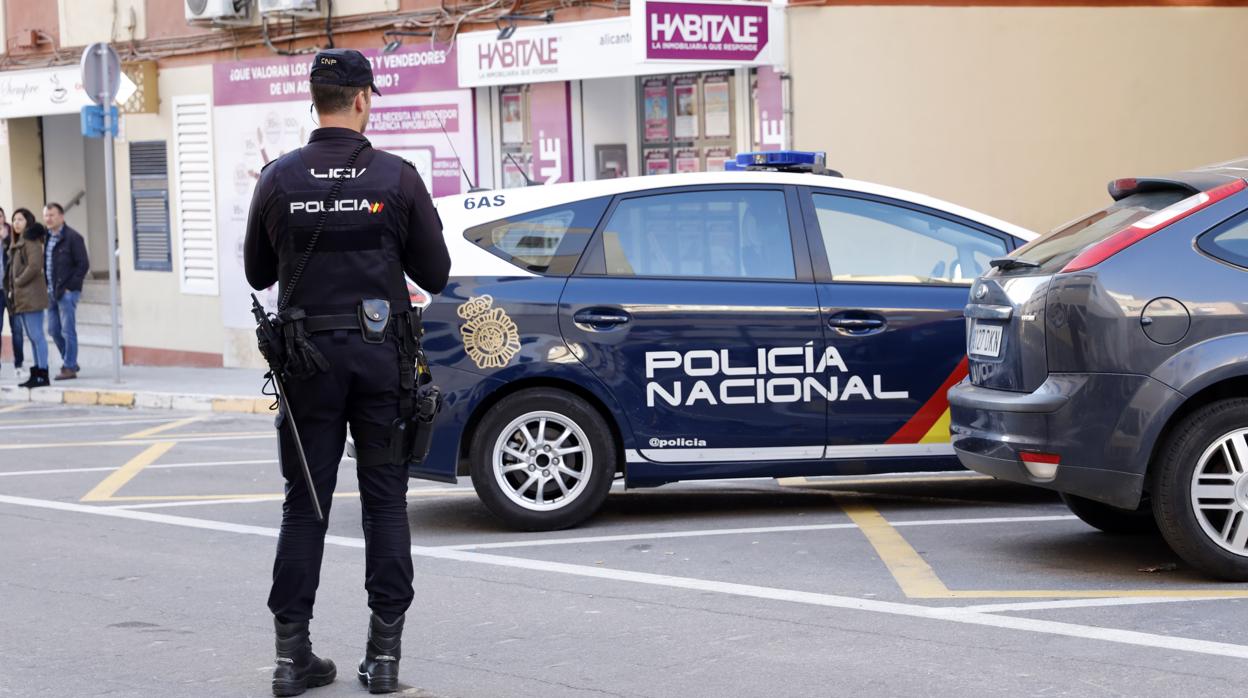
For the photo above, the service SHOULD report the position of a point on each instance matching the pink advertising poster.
(513, 118)
(769, 110)
(515, 170)
(686, 93)
(550, 132)
(716, 97)
(716, 157)
(705, 31)
(658, 161)
(687, 160)
(654, 102)
(261, 111)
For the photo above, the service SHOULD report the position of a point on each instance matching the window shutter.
(197, 231)
(149, 206)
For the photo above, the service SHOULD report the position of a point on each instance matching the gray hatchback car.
(1109, 361)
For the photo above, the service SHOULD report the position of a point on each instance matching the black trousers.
(360, 389)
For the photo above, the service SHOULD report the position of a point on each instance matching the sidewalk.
(153, 387)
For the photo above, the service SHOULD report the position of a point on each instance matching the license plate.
(985, 341)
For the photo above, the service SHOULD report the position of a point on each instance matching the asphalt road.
(135, 551)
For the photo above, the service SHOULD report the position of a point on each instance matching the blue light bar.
(780, 161)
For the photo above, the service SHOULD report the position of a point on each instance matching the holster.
(301, 357)
(411, 434)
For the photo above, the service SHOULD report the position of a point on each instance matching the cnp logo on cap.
(342, 66)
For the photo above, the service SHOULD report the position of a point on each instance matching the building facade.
(1020, 109)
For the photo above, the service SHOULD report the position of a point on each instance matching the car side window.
(548, 241)
(1229, 241)
(721, 233)
(873, 241)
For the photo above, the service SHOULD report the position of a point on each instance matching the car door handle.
(855, 324)
(601, 318)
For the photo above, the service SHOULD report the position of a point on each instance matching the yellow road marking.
(790, 481)
(13, 408)
(918, 580)
(915, 577)
(119, 477)
(161, 428)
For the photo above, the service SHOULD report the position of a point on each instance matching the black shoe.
(38, 379)
(380, 668)
(297, 668)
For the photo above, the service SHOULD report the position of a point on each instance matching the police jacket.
(380, 226)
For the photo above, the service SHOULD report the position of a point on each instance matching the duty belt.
(314, 324)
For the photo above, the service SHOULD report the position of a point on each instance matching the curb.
(241, 404)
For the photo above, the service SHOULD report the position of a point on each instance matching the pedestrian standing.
(66, 267)
(351, 324)
(15, 327)
(28, 290)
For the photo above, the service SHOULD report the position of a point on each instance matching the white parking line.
(661, 535)
(204, 464)
(28, 424)
(1081, 603)
(910, 610)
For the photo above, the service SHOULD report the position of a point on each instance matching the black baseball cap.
(342, 66)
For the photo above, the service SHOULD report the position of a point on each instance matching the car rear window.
(1228, 242)
(548, 241)
(1054, 249)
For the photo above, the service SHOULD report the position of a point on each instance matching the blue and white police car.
(770, 322)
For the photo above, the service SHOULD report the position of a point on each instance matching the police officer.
(337, 287)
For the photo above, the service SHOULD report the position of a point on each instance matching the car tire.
(527, 454)
(1213, 537)
(1112, 519)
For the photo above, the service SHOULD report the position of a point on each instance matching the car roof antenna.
(471, 187)
(528, 181)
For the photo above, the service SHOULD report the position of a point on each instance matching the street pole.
(110, 192)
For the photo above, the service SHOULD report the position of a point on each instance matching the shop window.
(149, 206)
(687, 122)
(549, 241)
(700, 234)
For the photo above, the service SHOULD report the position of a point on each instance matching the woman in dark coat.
(27, 289)
(15, 328)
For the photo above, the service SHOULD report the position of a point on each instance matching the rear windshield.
(1054, 249)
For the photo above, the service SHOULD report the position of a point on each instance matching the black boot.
(38, 378)
(380, 668)
(297, 668)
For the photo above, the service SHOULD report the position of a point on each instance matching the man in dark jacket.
(65, 266)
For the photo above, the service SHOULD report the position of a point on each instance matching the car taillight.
(1148, 225)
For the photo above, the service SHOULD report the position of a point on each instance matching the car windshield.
(1054, 249)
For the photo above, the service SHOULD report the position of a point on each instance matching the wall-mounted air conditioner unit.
(297, 8)
(217, 10)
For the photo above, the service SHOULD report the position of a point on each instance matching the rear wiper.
(1004, 263)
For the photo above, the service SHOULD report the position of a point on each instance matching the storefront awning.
(48, 91)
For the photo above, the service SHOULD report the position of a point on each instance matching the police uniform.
(381, 225)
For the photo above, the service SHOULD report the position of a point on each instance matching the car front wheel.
(1200, 490)
(543, 459)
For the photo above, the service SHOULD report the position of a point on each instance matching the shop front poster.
(718, 108)
(513, 119)
(513, 174)
(716, 157)
(686, 91)
(654, 96)
(687, 160)
(658, 161)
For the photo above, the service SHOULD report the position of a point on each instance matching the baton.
(294, 433)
